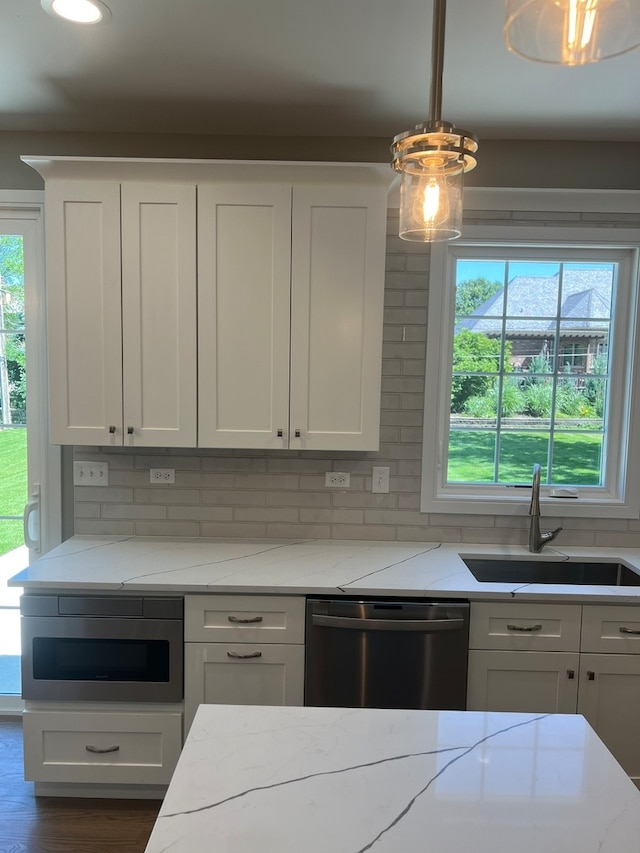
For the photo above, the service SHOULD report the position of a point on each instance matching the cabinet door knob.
(571, 673)
(244, 656)
(591, 675)
(280, 433)
(297, 433)
(523, 628)
(129, 430)
(112, 429)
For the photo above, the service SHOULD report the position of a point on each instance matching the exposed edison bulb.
(579, 22)
(571, 32)
(431, 206)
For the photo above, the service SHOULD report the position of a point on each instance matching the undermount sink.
(499, 570)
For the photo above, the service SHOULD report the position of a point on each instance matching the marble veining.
(300, 567)
(353, 780)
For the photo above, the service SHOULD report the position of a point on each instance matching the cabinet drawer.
(525, 627)
(117, 747)
(244, 619)
(611, 629)
(242, 674)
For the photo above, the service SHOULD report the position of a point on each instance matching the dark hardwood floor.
(61, 825)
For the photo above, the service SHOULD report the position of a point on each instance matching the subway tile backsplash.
(281, 494)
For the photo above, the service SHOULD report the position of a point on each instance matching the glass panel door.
(29, 467)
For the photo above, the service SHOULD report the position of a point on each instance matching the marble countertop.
(268, 779)
(167, 565)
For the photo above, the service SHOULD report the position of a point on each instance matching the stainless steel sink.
(498, 570)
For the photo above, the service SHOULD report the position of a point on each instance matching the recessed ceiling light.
(78, 11)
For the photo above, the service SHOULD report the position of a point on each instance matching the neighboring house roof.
(586, 303)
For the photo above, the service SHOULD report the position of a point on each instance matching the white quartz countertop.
(292, 567)
(286, 780)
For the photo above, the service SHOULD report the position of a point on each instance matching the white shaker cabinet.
(243, 650)
(121, 297)
(290, 307)
(561, 658)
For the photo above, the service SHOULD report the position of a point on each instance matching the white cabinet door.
(159, 314)
(337, 291)
(290, 307)
(528, 682)
(609, 698)
(244, 261)
(242, 674)
(84, 311)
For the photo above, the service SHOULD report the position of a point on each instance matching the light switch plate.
(380, 480)
(90, 473)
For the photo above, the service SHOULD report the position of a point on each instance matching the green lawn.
(471, 457)
(13, 486)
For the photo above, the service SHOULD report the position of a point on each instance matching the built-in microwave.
(102, 648)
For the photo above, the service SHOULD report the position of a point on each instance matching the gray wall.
(503, 163)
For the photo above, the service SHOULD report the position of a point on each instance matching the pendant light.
(571, 32)
(432, 159)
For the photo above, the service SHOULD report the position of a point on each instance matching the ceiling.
(343, 68)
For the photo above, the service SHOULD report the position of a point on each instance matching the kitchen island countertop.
(351, 780)
(299, 567)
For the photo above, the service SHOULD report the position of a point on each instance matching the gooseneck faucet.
(538, 540)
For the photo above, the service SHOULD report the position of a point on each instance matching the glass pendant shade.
(431, 205)
(571, 32)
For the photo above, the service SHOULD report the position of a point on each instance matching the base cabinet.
(527, 682)
(257, 657)
(594, 669)
(609, 698)
(101, 747)
(237, 674)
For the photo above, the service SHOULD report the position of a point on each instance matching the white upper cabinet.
(84, 311)
(290, 300)
(215, 304)
(244, 268)
(159, 315)
(121, 297)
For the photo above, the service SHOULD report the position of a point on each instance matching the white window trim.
(496, 500)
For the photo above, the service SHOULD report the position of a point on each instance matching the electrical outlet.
(380, 480)
(337, 479)
(162, 475)
(90, 473)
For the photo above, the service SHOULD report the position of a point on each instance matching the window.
(531, 357)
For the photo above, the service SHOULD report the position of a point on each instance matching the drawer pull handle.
(99, 751)
(245, 656)
(624, 630)
(525, 629)
(248, 621)
(571, 673)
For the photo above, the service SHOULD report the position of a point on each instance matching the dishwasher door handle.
(425, 625)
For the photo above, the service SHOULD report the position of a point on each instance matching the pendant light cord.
(437, 59)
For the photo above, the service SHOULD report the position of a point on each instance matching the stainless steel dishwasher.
(386, 654)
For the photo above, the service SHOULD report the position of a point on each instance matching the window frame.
(621, 496)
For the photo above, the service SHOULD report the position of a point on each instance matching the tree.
(12, 340)
(475, 353)
(472, 293)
